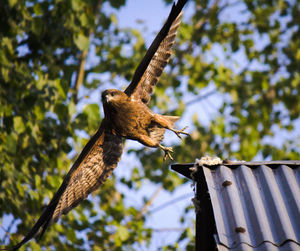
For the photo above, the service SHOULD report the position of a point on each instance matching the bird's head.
(113, 97)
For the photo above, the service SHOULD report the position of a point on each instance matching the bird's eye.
(112, 94)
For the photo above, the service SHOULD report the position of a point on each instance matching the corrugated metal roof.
(256, 205)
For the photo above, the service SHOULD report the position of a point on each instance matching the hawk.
(126, 116)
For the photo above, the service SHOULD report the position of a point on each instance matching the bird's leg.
(167, 150)
(178, 132)
(146, 140)
(164, 122)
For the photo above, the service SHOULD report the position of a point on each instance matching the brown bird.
(126, 116)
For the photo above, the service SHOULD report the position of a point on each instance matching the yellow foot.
(178, 132)
(168, 151)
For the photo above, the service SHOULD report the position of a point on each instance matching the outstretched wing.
(95, 163)
(152, 65)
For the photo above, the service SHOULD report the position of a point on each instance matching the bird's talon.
(167, 154)
(178, 132)
(168, 151)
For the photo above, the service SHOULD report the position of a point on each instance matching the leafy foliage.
(252, 58)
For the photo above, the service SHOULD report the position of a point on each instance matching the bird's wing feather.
(152, 65)
(95, 163)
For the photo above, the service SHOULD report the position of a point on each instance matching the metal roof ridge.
(260, 244)
(242, 162)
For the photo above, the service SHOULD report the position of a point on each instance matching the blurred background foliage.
(234, 78)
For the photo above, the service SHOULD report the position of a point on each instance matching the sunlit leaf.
(82, 42)
(122, 233)
(19, 124)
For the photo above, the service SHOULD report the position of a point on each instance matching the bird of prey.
(126, 116)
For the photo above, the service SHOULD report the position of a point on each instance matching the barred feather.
(93, 166)
(90, 174)
(157, 64)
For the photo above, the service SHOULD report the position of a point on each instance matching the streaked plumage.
(149, 79)
(126, 116)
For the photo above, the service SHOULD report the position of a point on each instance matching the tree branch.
(8, 231)
(149, 203)
(166, 229)
(199, 98)
(203, 20)
(83, 57)
(168, 203)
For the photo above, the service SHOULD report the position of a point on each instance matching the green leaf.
(84, 19)
(62, 87)
(39, 112)
(71, 109)
(113, 19)
(82, 42)
(37, 26)
(12, 3)
(53, 181)
(62, 111)
(11, 143)
(77, 5)
(38, 180)
(93, 114)
(71, 235)
(38, 10)
(19, 124)
(117, 3)
(122, 233)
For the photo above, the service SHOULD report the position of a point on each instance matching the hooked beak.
(104, 96)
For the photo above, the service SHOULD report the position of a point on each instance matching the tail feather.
(156, 131)
(172, 119)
